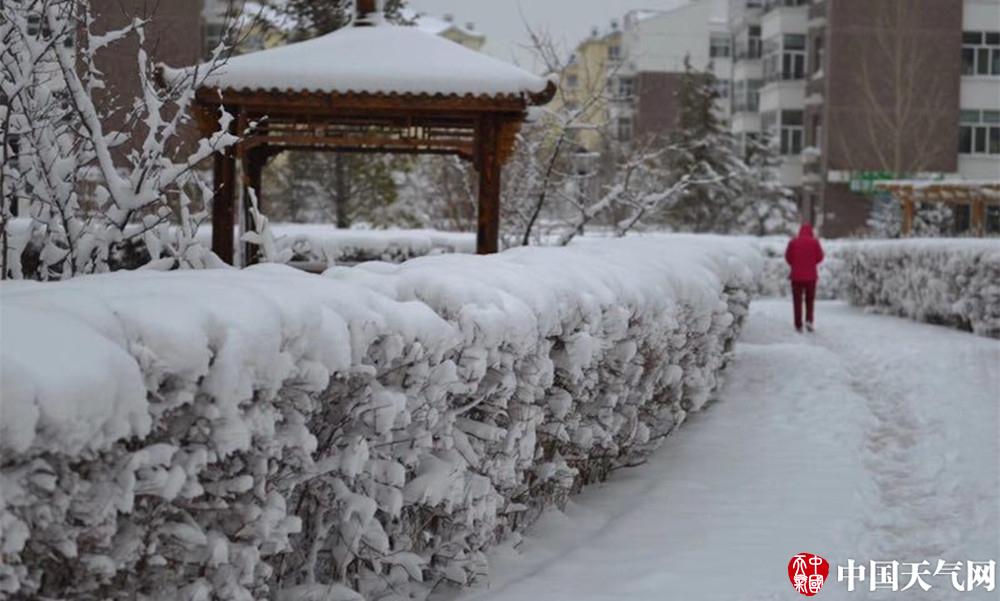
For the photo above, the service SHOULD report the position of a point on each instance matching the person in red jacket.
(804, 254)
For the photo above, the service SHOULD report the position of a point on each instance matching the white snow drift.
(238, 434)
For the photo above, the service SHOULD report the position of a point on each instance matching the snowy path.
(874, 439)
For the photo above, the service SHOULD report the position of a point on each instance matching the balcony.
(770, 5)
(817, 10)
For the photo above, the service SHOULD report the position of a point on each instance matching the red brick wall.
(173, 36)
(657, 107)
(893, 84)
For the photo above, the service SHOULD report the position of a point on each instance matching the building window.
(992, 219)
(626, 88)
(772, 4)
(817, 131)
(720, 45)
(979, 132)
(792, 132)
(788, 127)
(624, 129)
(981, 53)
(817, 55)
(746, 95)
(214, 33)
(785, 58)
(572, 81)
(747, 44)
(721, 87)
(614, 53)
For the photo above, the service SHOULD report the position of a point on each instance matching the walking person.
(803, 255)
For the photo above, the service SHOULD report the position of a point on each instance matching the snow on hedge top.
(77, 357)
(383, 59)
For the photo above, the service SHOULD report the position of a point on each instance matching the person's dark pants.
(807, 290)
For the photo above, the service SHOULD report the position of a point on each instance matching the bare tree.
(899, 94)
(68, 141)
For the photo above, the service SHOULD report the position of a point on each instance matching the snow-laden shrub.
(954, 282)
(271, 434)
(327, 245)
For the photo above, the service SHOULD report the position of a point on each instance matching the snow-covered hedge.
(327, 245)
(266, 433)
(954, 282)
(318, 245)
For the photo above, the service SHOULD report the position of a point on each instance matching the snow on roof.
(384, 59)
(437, 25)
(644, 14)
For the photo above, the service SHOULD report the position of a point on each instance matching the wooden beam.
(372, 143)
(255, 161)
(224, 204)
(908, 210)
(488, 163)
(291, 102)
(978, 217)
(365, 10)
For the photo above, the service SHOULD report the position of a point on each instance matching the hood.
(806, 231)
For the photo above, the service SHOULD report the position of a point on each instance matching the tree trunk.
(343, 191)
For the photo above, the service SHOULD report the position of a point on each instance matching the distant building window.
(624, 129)
(772, 4)
(979, 132)
(747, 44)
(722, 88)
(214, 32)
(572, 81)
(818, 50)
(792, 132)
(720, 46)
(626, 87)
(614, 53)
(817, 130)
(785, 58)
(788, 127)
(981, 53)
(993, 219)
(746, 95)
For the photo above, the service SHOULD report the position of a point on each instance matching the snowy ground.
(873, 439)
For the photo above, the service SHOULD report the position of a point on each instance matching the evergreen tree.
(703, 149)
(768, 207)
(345, 189)
(310, 18)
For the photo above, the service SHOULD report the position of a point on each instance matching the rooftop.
(384, 59)
(438, 25)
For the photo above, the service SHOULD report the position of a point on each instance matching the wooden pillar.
(364, 10)
(908, 210)
(224, 205)
(253, 167)
(488, 163)
(978, 216)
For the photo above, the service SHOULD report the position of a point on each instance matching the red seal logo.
(807, 573)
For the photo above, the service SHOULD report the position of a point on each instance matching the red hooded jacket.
(804, 253)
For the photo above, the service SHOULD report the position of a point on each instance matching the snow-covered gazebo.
(373, 87)
(977, 195)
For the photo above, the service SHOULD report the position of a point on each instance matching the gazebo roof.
(383, 60)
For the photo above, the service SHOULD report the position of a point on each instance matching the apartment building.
(854, 90)
(583, 84)
(654, 47)
(447, 27)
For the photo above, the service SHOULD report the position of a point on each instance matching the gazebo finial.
(367, 12)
